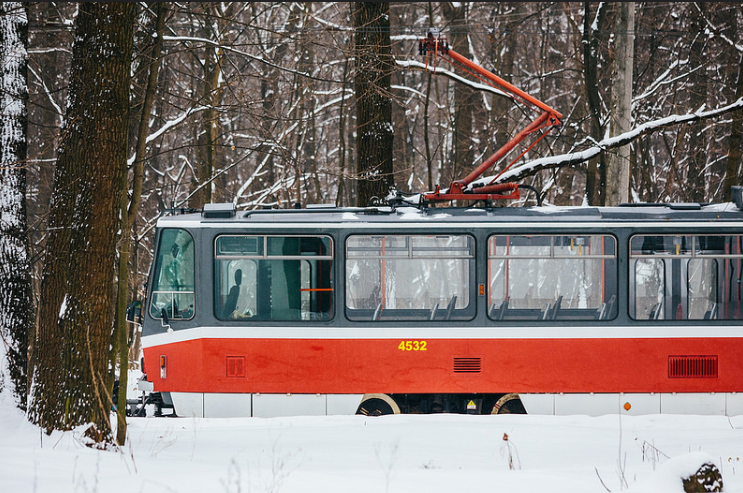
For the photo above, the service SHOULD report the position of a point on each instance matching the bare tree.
(462, 156)
(129, 208)
(596, 173)
(697, 134)
(16, 313)
(373, 100)
(620, 121)
(733, 164)
(70, 385)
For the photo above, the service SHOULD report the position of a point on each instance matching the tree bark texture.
(16, 307)
(462, 157)
(504, 49)
(698, 139)
(733, 174)
(618, 162)
(207, 130)
(374, 135)
(70, 383)
(596, 173)
(309, 147)
(128, 215)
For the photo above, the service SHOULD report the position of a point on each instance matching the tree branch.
(437, 70)
(573, 158)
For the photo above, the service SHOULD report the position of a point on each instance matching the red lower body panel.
(344, 366)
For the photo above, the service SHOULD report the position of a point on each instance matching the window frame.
(436, 313)
(606, 311)
(157, 270)
(266, 255)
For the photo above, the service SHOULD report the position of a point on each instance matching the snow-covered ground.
(414, 453)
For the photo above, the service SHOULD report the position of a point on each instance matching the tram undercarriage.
(271, 405)
(210, 405)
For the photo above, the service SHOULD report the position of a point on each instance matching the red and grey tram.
(398, 309)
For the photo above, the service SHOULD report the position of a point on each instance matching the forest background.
(262, 105)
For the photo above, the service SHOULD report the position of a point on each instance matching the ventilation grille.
(235, 366)
(692, 367)
(467, 365)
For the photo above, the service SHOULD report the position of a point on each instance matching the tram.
(632, 309)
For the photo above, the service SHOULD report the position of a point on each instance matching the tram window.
(409, 277)
(173, 281)
(550, 277)
(685, 277)
(273, 278)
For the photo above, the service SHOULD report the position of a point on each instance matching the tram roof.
(225, 215)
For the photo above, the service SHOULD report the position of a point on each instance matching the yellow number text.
(412, 346)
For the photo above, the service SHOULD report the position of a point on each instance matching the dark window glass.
(173, 281)
(273, 278)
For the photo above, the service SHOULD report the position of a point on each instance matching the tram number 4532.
(412, 346)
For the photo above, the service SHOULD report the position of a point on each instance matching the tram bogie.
(379, 404)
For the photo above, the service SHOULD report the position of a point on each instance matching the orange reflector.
(627, 406)
(481, 289)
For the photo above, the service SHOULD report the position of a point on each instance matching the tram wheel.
(509, 404)
(377, 405)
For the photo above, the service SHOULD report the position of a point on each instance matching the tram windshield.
(409, 277)
(549, 277)
(173, 281)
(686, 277)
(273, 278)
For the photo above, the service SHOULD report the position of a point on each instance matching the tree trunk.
(340, 200)
(504, 49)
(76, 316)
(618, 162)
(373, 102)
(128, 215)
(207, 131)
(462, 158)
(698, 153)
(16, 307)
(596, 173)
(208, 128)
(268, 120)
(426, 115)
(733, 173)
(306, 153)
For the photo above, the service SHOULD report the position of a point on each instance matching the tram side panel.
(353, 366)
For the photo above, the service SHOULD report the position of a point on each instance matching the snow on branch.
(48, 93)
(328, 24)
(717, 31)
(436, 70)
(573, 158)
(664, 80)
(168, 125)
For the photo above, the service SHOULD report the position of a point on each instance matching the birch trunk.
(16, 310)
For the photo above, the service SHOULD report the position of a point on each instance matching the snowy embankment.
(433, 453)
